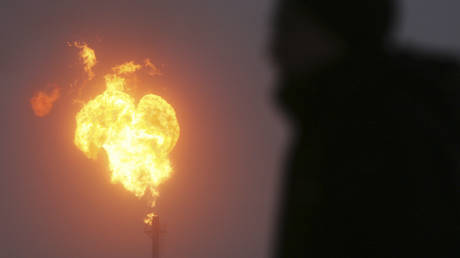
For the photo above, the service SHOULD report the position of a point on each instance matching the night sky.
(221, 199)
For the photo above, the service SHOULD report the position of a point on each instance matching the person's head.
(309, 33)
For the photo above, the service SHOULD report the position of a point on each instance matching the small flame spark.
(149, 218)
(43, 102)
(88, 57)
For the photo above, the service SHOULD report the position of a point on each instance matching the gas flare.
(43, 101)
(136, 138)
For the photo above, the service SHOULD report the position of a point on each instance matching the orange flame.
(136, 139)
(149, 218)
(88, 57)
(43, 102)
(126, 68)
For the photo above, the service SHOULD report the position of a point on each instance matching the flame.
(88, 57)
(43, 102)
(126, 68)
(136, 139)
(149, 218)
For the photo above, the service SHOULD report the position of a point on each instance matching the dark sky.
(220, 202)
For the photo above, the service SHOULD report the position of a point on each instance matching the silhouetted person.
(374, 165)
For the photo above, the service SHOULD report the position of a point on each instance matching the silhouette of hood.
(358, 22)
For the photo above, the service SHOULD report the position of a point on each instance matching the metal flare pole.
(153, 231)
(156, 236)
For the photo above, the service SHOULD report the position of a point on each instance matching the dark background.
(221, 200)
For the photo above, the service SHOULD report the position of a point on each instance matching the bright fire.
(43, 101)
(136, 139)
